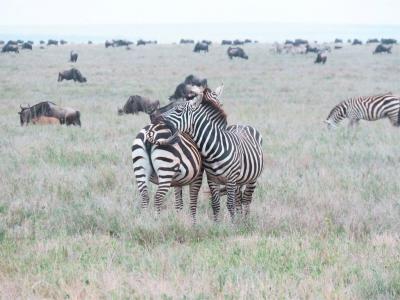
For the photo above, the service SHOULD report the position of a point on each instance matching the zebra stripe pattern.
(232, 157)
(366, 108)
(172, 165)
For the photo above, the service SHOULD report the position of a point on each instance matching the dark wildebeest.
(136, 104)
(42, 42)
(30, 42)
(26, 46)
(338, 41)
(52, 42)
(181, 92)
(356, 42)
(226, 42)
(73, 56)
(236, 52)
(10, 48)
(65, 115)
(120, 43)
(109, 44)
(372, 41)
(382, 49)
(238, 42)
(298, 42)
(63, 42)
(248, 41)
(388, 41)
(186, 41)
(321, 58)
(200, 47)
(90, 42)
(1, 42)
(311, 49)
(206, 42)
(338, 47)
(73, 74)
(141, 42)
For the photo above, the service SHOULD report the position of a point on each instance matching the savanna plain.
(325, 217)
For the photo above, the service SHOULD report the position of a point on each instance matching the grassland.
(325, 217)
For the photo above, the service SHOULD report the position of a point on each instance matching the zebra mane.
(209, 100)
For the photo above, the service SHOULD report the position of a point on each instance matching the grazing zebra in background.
(176, 164)
(231, 157)
(366, 108)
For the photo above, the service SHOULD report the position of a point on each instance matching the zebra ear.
(219, 90)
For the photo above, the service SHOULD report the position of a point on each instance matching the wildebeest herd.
(190, 135)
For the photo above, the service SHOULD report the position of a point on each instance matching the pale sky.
(84, 12)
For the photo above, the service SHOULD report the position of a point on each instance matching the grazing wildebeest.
(238, 42)
(42, 42)
(30, 42)
(181, 92)
(372, 41)
(10, 48)
(63, 42)
(1, 42)
(248, 41)
(26, 46)
(289, 42)
(120, 43)
(109, 44)
(382, 49)
(41, 47)
(236, 52)
(141, 42)
(43, 120)
(388, 41)
(200, 47)
(136, 104)
(73, 56)
(338, 41)
(73, 74)
(338, 47)
(186, 41)
(52, 42)
(312, 49)
(321, 58)
(298, 42)
(65, 115)
(90, 42)
(356, 42)
(226, 42)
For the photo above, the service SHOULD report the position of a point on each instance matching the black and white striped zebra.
(232, 157)
(175, 164)
(366, 108)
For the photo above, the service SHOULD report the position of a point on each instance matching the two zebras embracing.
(231, 155)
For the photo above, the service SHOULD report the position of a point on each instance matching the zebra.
(231, 157)
(366, 108)
(176, 164)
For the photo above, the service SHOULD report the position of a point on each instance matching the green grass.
(324, 220)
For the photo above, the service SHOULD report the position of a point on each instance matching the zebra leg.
(162, 189)
(214, 190)
(354, 122)
(238, 200)
(144, 192)
(178, 198)
(247, 196)
(231, 201)
(194, 189)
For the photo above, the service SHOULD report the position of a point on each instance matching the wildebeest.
(186, 41)
(65, 115)
(52, 42)
(26, 46)
(109, 44)
(298, 42)
(90, 42)
(238, 42)
(338, 47)
(388, 41)
(120, 43)
(312, 49)
(63, 42)
(356, 42)
(1, 42)
(30, 42)
(226, 42)
(73, 74)
(73, 56)
(141, 42)
(371, 41)
(200, 47)
(136, 104)
(43, 120)
(236, 52)
(321, 58)
(42, 42)
(382, 49)
(206, 42)
(338, 41)
(10, 48)
(248, 41)
(181, 91)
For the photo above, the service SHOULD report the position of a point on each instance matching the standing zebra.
(232, 157)
(366, 108)
(176, 164)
